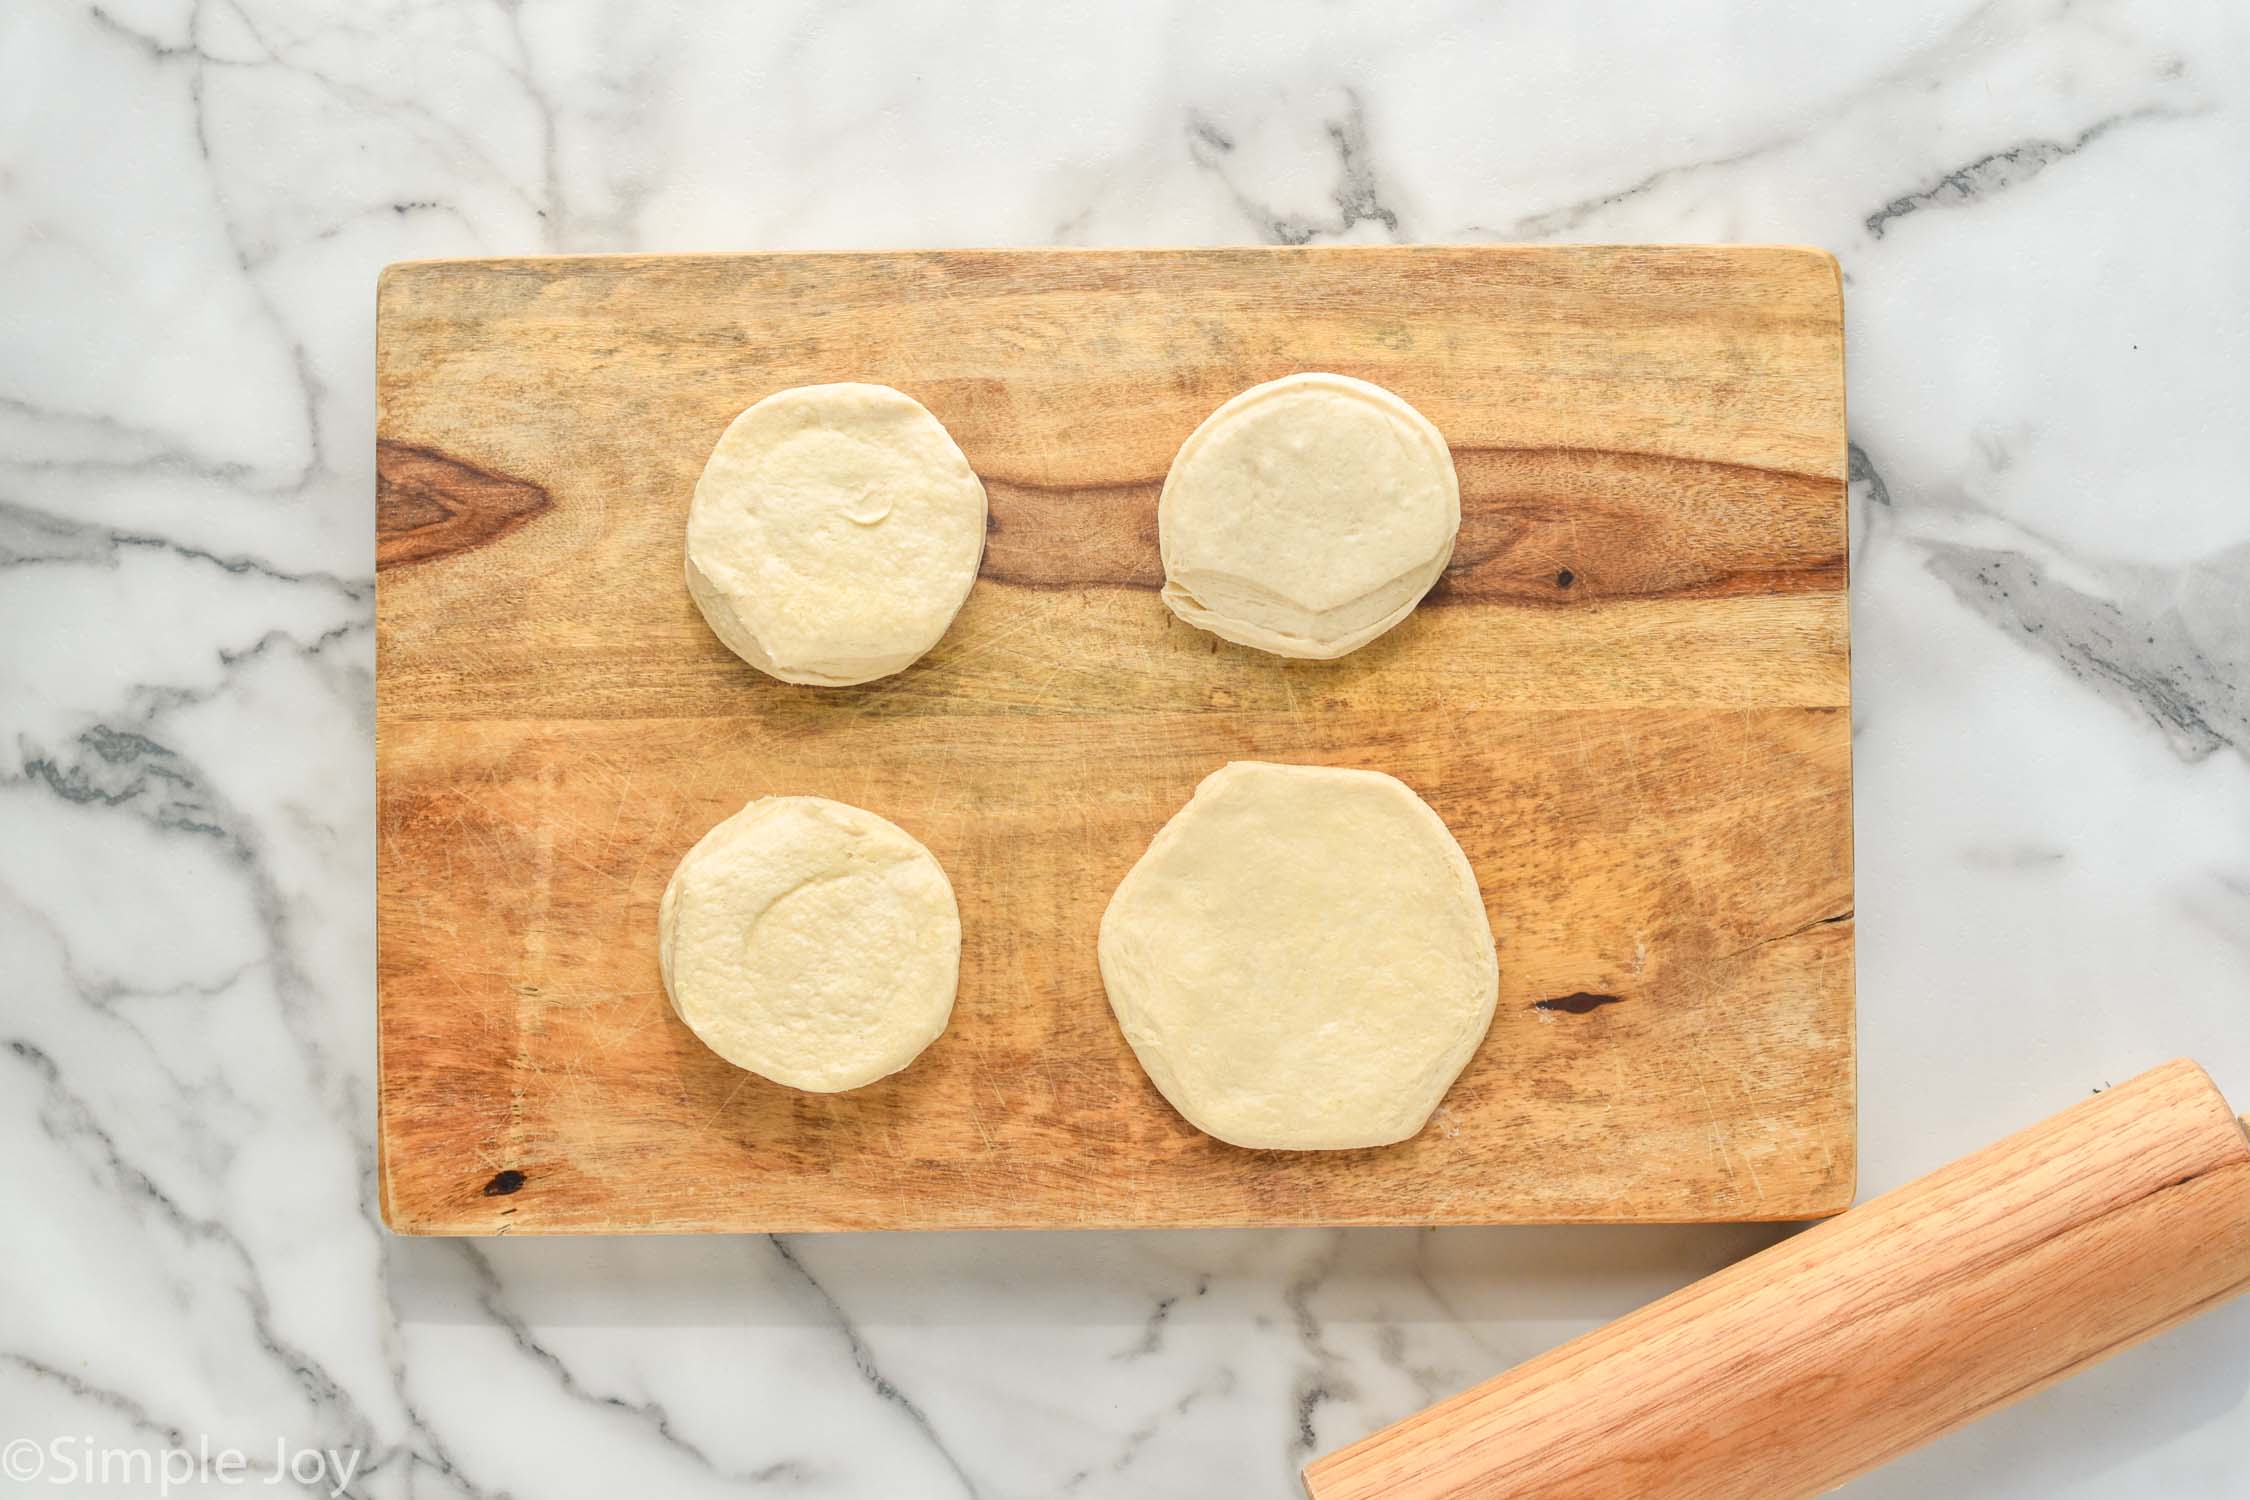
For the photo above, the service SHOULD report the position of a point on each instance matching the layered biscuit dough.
(835, 533)
(1307, 516)
(811, 942)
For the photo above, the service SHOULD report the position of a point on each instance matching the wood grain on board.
(1629, 698)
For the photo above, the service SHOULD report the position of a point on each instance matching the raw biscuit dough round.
(1307, 516)
(1301, 960)
(811, 942)
(835, 534)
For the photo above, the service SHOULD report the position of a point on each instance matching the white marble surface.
(2044, 216)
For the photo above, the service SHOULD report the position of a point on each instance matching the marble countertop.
(2041, 214)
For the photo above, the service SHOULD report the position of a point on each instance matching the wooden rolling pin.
(1788, 1373)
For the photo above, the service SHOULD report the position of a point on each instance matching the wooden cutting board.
(1629, 698)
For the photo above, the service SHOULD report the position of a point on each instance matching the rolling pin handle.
(1789, 1373)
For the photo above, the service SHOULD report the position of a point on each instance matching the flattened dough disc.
(1301, 960)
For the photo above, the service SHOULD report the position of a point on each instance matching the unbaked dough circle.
(811, 942)
(835, 533)
(1301, 960)
(1307, 516)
